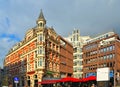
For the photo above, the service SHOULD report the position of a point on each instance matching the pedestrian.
(93, 85)
(110, 85)
(10, 85)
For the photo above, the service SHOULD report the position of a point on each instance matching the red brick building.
(102, 51)
(41, 52)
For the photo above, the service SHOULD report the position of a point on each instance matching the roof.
(41, 16)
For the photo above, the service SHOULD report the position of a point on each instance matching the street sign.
(16, 80)
(103, 74)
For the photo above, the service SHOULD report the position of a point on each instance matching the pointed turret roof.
(41, 16)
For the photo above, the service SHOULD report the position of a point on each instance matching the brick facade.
(40, 52)
(103, 51)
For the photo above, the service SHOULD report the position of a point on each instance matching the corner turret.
(41, 22)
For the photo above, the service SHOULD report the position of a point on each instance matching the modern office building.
(100, 52)
(77, 41)
(41, 53)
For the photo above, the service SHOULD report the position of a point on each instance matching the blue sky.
(92, 17)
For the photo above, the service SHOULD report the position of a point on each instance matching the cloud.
(90, 16)
(7, 41)
(7, 22)
(9, 37)
(110, 2)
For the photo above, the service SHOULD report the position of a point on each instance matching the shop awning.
(48, 82)
(90, 78)
(67, 79)
(70, 79)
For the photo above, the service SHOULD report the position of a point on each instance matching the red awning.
(84, 79)
(49, 81)
(90, 78)
(66, 79)
(32, 72)
(70, 79)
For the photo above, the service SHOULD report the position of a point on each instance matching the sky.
(91, 17)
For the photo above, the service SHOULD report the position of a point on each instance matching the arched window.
(35, 76)
(28, 77)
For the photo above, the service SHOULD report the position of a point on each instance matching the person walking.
(93, 85)
(110, 85)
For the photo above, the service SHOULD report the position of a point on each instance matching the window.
(80, 62)
(35, 54)
(75, 56)
(111, 56)
(101, 50)
(73, 38)
(75, 63)
(40, 24)
(35, 76)
(77, 37)
(77, 31)
(105, 49)
(107, 36)
(35, 64)
(40, 37)
(111, 48)
(81, 56)
(75, 50)
(105, 57)
(29, 67)
(74, 32)
(40, 61)
(75, 69)
(28, 77)
(80, 49)
(104, 64)
(40, 50)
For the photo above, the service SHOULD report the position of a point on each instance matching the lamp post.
(115, 73)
